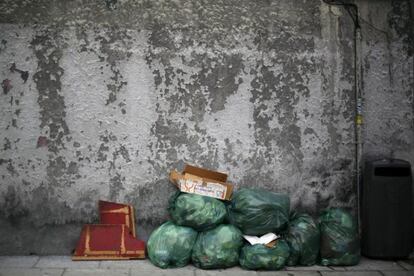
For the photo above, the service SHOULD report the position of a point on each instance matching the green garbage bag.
(218, 247)
(170, 245)
(196, 211)
(339, 238)
(257, 212)
(303, 238)
(259, 256)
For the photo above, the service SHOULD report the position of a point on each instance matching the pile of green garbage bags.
(209, 233)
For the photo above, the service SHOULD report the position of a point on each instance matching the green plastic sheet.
(339, 238)
(304, 240)
(259, 256)
(196, 211)
(257, 212)
(170, 245)
(218, 247)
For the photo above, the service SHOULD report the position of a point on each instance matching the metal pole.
(358, 116)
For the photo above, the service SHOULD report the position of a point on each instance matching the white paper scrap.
(265, 239)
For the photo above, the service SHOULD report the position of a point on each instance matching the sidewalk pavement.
(64, 266)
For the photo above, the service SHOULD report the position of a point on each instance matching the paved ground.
(63, 266)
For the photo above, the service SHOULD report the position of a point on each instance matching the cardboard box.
(203, 182)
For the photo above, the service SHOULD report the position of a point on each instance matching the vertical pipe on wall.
(352, 10)
(358, 114)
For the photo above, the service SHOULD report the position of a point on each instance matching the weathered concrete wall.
(388, 80)
(120, 92)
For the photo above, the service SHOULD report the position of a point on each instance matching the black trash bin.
(386, 209)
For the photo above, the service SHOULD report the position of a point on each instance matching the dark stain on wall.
(399, 21)
(113, 57)
(48, 84)
(220, 78)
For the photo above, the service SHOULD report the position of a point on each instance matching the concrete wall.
(121, 92)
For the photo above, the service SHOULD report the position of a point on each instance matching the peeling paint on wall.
(120, 92)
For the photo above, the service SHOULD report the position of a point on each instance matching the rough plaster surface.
(120, 92)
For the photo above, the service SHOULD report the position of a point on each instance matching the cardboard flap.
(174, 177)
(271, 244)
(203, 173)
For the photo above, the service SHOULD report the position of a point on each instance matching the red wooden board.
(108, 241)
(116, 213)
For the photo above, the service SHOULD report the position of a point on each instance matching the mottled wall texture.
(106, 97)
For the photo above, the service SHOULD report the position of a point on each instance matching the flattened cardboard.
(117, 213)
(204, 182)
(108, 242)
